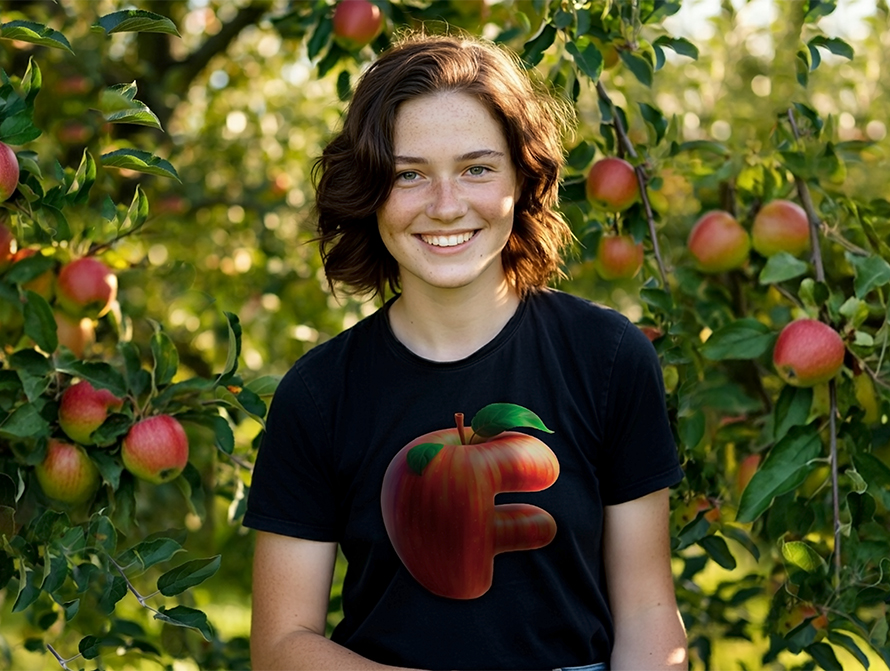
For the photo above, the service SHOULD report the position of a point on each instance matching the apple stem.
(642, 180)
(459, 420)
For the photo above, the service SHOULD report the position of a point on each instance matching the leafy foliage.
(208, 220)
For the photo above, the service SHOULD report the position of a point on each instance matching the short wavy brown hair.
(354, 174)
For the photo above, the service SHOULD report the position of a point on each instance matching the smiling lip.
(451, 240)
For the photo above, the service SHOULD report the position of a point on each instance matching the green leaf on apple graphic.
(420, 455)
(499, 417)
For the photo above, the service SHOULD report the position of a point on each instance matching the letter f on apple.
(438, 499)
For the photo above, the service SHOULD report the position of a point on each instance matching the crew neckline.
(402, 351)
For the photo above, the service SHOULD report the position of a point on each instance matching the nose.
(446, 202)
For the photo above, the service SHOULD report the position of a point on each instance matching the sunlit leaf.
(35, 33)
(140, 161)
(803, 556)
(137, 21)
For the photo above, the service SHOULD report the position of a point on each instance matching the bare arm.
(291, 589)
(649, 633)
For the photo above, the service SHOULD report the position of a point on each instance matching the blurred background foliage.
(245, 111)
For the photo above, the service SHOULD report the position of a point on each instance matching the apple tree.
(109, 448)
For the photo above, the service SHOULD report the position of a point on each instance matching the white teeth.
(447, 240)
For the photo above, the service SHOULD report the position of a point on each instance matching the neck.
(451, 324)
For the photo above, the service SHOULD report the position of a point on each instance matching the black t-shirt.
(349, 405)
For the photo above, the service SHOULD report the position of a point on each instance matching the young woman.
(540, 548)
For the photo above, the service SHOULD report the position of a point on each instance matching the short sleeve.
(641, 455)
(292, 489)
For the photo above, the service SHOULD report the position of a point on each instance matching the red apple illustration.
(86, 287)
(67, 474)
(438, 499)
(83, 408)
(156, 449)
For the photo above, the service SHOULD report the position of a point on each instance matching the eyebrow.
(469, 156)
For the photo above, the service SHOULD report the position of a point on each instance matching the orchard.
(727, 185)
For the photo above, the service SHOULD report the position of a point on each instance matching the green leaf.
(89, 647)
(655, 119)
(658, 298)
(803, 556)
(692, 429)
(35, 33)
(32, 82)
(581, 155)
(225, 438)
(499, 417)
(420, 455)
(115, 590)
(18, 129)
(188, 575)
(792, 409)
(834, 44)
(137, 21)
(639, 66)
(149, 552)
(40, 324)
(533, 50)
(824, 656)
(183, 616)
(320, 37)
(871, 272)
(84, 178)
(785, 468)
(589, 60)
(166, 358)
(102, 534)
(679, 45)
(138, 116)
(27, 269)
(848, 644)
(234, 351)
(97, 373)
(718, 550)
(780, 267)
(55, 572)
(24, 422)
(140, 161)
(742, 339)
(264, 385)
(29, 591)
(109, 468)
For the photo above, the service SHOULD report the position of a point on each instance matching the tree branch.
(642, 181)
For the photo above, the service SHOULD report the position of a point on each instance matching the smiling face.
(450, 212)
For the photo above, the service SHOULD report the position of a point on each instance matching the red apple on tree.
(156, 449)
(718, 242)
(75, 334)
(86, 287)
(612, 184)
(83, 409)
(67, 474)
(808, 352)
(9, 171)
(356, 22)
(618, 257)
(781, 226)
(438, 499)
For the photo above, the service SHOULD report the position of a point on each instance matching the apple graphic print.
(438, 499)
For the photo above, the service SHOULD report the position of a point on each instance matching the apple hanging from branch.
(356, 22)
(438, 499)
(618, 257)
(808, 352)
(9, 172)
(718, 242)
(781, 226)
(156, 449)
(83, 409)
(67, 474)
(86, 287)
(612, 184)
